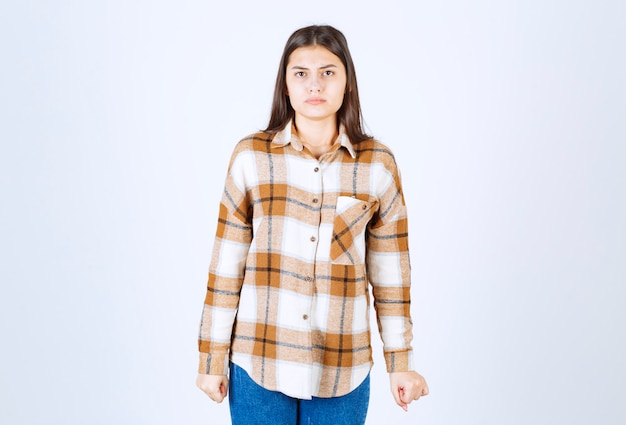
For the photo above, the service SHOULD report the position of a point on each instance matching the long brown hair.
(332, 39)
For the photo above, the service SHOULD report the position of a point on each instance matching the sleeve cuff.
(399, 361)
(213, 364)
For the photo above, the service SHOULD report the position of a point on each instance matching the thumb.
(399, 395)
(224, 388)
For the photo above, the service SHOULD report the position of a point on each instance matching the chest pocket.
(349, 226)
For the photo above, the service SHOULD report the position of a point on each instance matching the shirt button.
(305, 316)
(309, 279)
(313, 239)
(316, 169)
(364, 206)
(315, 200)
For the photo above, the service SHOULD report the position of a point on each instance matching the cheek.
(340, 93)
(292, 89)
(289, 87)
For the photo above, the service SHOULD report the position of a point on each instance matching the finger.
(411, 393)
(215, 396)
(399, 397)
(420, 392)
(216, 391)
(416, 391)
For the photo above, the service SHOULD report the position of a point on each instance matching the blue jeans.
(251, 404)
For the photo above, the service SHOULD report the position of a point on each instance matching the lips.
(315, 100)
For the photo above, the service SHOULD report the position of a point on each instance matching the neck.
(318, 136)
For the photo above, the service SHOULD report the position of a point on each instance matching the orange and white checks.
(299, 240)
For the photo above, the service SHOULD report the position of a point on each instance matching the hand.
(215, 386)
(406, 387)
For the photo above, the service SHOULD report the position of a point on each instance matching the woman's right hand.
(215, 386)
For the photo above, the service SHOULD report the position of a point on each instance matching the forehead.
(313, 56)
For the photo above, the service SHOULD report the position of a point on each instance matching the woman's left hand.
(406, 387)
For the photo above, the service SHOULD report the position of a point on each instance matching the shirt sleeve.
(389, 272)
(226, 272)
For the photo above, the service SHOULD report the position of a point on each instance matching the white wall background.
(508, 119)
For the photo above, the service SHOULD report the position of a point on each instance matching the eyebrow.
(330, 65)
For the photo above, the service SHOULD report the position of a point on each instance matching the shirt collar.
(287, 136)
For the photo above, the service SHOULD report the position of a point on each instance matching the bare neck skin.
(317, 136)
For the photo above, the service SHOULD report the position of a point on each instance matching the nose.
(314, 85)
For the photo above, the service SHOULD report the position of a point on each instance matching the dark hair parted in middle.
(332, 39)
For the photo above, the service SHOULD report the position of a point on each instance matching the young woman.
(312, 212)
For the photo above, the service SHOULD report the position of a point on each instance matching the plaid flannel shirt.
(298, 239)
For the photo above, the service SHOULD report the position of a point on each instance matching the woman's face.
(316, 83)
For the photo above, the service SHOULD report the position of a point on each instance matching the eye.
(328, 73)
(299, 74)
